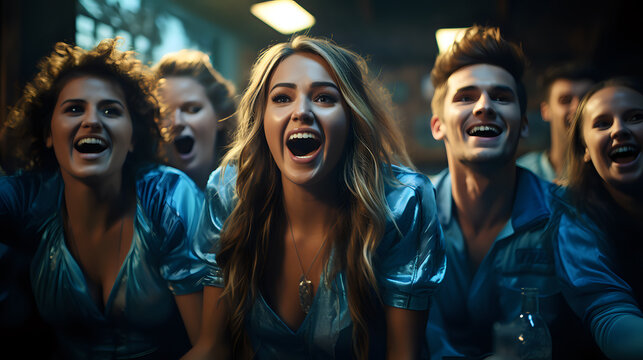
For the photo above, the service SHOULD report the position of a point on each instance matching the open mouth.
(90, 145)
(303, 144)
(484, 131)
(184, 144)
(624, 154)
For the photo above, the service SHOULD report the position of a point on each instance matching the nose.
(302, 111)
(484, 106)
(177, 118)
(92, 119)
(620, 130)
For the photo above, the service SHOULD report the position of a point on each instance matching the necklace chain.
(292, 236)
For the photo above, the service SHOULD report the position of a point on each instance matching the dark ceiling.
(397, 33)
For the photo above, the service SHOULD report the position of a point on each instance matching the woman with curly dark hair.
(197, 105)
(109, 230)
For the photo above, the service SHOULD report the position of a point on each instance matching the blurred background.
(397, 37)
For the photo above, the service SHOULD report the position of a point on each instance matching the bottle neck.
(529, 301)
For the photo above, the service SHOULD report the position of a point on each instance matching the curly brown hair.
(221, 92)
(29, 121)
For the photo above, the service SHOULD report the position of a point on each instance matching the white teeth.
(483, 128)
(623, 149)
(302, 135)
(91, 140)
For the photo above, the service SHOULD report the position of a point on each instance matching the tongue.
(184, 144)
(303, 147)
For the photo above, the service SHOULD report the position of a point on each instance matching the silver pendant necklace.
(305, 285)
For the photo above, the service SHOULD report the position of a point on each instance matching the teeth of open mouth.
(305, 135)
(484, 131)
(90, 145)
(303, 144)
(624, 154)
(88, 140)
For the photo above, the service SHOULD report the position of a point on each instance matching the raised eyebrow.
(503, 88)
(324, 84)
(72, 101)
(111, 102)
(288, 85)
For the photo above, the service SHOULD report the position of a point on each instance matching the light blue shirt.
(468, 303)
(409, 265)
(538, 163)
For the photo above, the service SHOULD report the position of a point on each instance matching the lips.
(184, 144)
(624, 154)
(303, 143)
(486, 130)
(90, 145)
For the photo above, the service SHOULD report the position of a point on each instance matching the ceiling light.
(446, 37)
(285, 16)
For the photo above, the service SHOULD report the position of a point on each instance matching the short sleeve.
(173, 202)
(411, 259)
(25, 202)
(219, 203)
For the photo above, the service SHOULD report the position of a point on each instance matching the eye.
(74, 109)
(280, 98)
(464, 98)
(112, 111)
(602, 123)
(501, 98)
(636, 118)
(565, 100)
(192, 108)
(326, 98)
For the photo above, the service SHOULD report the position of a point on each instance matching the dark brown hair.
(479, 45)
(29, 121)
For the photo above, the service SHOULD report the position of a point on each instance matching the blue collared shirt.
(469, 301)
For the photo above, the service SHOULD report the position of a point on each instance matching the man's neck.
(483, 201)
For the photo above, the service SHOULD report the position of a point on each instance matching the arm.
(618, 332)
(595, 292)
(404, 333)
(214, 335)
(190, 306)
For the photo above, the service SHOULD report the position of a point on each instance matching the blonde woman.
(330, 249)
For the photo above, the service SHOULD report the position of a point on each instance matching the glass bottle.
(533, 338)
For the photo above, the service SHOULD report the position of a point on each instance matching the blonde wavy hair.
(374, 144)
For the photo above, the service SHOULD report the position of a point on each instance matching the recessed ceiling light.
(285, 16)
(446, 37)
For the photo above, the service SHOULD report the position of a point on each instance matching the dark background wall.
(397, 37)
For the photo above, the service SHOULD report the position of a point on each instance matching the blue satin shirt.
(140, 318)
(469, 301)
(591, 282)
(410, 265)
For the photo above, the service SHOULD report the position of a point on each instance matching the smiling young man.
(564, 87)
(494, 214)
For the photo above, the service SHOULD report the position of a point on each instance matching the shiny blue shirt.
(140, 318)
(410, 264)
(469, 302)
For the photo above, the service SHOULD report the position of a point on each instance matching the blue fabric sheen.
(140, 317)
(409, 265)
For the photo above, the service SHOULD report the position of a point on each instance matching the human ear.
(586, 157)
(545, 111)
(48, 142)
(524, 127)
(436, 128)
